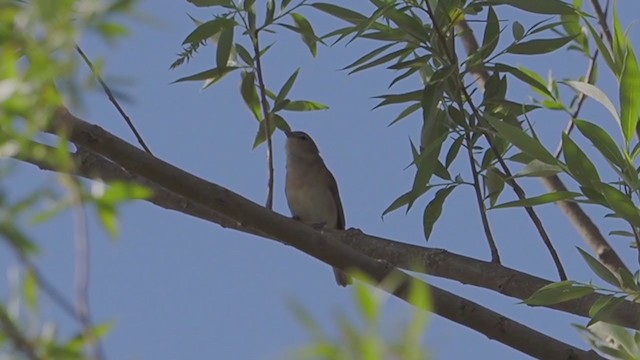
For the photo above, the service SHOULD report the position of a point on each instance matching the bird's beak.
(287, 133)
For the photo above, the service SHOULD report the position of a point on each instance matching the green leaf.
(539, 46)
(305, 105)
(271, 10)
(406, 112)
(30, 289)
(206, 3)
(629, 95)
(402, 200)
(596, 94)
(250, 94)
(277, 122)
(599, 269)
(580, 167)
(603, 308)
(109, 218)
(383, 59)
(208, 29)
(225, 44)
(306, 30)
(494, 182)
(548, 7)
(491, 34)
(522, 141)
(526, 76)
(341, 13)
(604, 50)
(602, 141)
(433, 210)
(400, 98)
(453, 151)
(367, 303)
(558, 292)
(540, 200)
(284, 4)
(214, 74)
(621, 204)
(370, 55)
(537, 168)
(284, 91)
(517, 30)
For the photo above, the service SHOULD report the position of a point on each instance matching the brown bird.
(311, 189)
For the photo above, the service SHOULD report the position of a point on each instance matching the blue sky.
(179, 287)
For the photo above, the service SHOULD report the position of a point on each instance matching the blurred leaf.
(558, 292)
(523, 141)
(340, 12)
(539, 46)
(30, 290)
(433, 210)
(250, 94)
(108, 216)
(603, 308)
(629, 94)
(599, 269)
(540, 200)
(271, 10)
(206, 3)
(595, 93)
(208, 29)
(367, 303)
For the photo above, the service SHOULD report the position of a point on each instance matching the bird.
(311, 190)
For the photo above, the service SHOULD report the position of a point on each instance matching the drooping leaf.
(433, 210)
(581, 168)
(539, 46)
(225, 45)
(523, 141)
(208, 29)
(306, 31)
(558, 292)
(250, 94)
(540, 200)
(602, 141)
(629, 94)
(600, 270)
(596, 94)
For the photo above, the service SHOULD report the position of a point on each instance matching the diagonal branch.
(304, 238)
(438, 262)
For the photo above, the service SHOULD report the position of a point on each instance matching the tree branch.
(438, 262)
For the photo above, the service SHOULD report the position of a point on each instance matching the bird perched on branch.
(311, 189)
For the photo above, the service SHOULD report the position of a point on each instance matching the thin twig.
(602, 20)
(267, 118)
(112, 99)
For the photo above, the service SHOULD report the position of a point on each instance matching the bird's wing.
(333, 187)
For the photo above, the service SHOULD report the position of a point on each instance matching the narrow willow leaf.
(602, 141)
(517, 30)
(284, 91)
(621, 204)
(211, 74)
(383, 59)
(523, 141)
(30, 290)
(596, 94)
(406, 112)
(580, 167)
(537, 168)
(399, 98)
(340, 12)
(271, 10)
(250, 94)
(539, 46)
(604, 49)
(558, 292)
(524, 75)
(491, 34)
(306, 30)
(548, 7)
(494, 182)
(225, 45)
(433, 210)
(368, 56)
(540, 200)
(305, 105)
(453, 151)
(207, 3)
(208, 29)
(599, 269)
(629, 94)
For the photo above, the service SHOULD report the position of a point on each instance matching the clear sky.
(181, 288)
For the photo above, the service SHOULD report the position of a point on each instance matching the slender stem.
(112, 99)
(602, 20)
(495, 256)
(267, 117)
